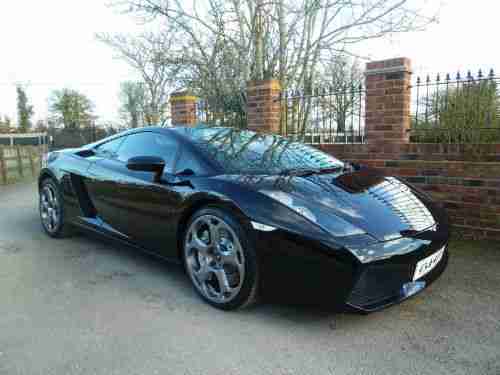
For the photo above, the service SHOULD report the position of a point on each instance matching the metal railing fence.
(456, 109)
(323, 115)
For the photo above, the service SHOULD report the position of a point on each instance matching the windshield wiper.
(331, 169)
(304, 172)
(301, 172)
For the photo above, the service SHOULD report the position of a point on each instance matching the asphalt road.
(83, 306)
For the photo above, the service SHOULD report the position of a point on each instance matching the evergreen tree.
(469, 113)
(24, 110)
(71, 108)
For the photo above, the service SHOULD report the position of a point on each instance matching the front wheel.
(220, 260)
(52, 210)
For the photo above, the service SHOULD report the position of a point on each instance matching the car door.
(130, 203)
(98, 180)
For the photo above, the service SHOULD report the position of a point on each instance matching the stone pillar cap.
(183, 95)
(400, 64)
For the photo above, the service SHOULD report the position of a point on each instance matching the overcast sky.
(50, 44)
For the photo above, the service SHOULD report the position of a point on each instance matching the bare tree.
(295, 33)
(343, 77)
(153, 56)
(133, 103)
(223, 44)
(41, 126)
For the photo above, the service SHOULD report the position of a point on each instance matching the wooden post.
(19, 162)
(3, 167)
(41, 151)
(31, 156)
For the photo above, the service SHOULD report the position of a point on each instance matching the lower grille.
(378, 283)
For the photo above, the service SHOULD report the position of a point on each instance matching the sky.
(50, 44)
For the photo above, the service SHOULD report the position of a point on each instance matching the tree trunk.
(259, 55)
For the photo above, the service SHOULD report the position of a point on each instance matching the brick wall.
(465, 179)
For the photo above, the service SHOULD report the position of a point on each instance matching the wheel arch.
(45, 174)
(200, 203)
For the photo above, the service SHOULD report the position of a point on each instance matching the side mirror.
(357, 166)
(147, 164)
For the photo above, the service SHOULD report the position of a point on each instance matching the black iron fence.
(60, 138)
(232, 112)
(27, 139)
(324, 115)
(463, 108)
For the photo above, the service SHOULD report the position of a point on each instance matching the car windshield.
(247, 152)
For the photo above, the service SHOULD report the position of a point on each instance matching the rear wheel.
(220, 259)
(52, 210)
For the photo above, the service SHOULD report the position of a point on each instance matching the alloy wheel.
(214, 259)
(49, 209)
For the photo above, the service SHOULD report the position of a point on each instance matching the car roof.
(178, 133)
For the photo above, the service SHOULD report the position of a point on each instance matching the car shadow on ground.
(172, 279)
(173, 274)
(470, 274)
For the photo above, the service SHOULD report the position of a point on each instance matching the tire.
(51, 209)
(220, 260)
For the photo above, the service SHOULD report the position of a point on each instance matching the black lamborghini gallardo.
(249, 214)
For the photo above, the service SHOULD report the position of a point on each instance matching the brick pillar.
(183, 109)
(263, 110)
(388, 97)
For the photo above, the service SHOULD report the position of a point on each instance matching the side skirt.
(113, 237)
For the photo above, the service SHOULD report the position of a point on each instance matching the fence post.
(31, 155)
(3, 167)
(183, 109)
(388, 100)
(19, 161)
(263, 109)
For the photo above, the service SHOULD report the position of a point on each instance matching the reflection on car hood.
(383, 207)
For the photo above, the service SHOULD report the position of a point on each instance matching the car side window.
(149, 144)
(109, 149)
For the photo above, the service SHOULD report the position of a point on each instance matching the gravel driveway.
(84, 306)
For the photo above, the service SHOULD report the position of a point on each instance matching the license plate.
(427, 264)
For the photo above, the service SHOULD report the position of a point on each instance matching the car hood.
(383, 207)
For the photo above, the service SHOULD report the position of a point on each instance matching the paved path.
(83, 306)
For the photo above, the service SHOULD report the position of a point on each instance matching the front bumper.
(384, 283)
(297, 270)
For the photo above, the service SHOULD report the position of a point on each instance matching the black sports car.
(249, 214)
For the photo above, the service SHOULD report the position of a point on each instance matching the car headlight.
(366, 252)
(332, 224)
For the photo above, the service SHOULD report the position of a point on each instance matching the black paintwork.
(336, 231)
